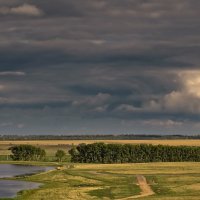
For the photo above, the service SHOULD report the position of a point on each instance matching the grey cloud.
(107, 66)
(60, 8)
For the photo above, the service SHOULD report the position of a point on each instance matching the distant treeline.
(97, 137)
(127, 153)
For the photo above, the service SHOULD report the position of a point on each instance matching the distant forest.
(97, 137)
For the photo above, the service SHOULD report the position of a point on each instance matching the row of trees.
(32, 153)
(119, 153)
(112, 153)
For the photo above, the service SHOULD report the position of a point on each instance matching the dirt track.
(145, 189)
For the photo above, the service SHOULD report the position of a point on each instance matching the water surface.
(8, 170)
(9, 188)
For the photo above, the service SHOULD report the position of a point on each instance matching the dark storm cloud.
(13, 59)
(60, 8)
(102, 66)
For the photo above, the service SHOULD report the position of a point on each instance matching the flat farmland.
(152, 181)
(76, 142)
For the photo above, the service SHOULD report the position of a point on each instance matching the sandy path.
(145, 189)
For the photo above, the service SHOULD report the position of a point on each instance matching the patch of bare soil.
(144, 186)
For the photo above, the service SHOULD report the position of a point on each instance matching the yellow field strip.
(76, 142)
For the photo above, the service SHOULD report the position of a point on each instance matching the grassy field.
(169, 181)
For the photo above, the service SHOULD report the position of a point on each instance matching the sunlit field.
(165, 181)
(76, 142)
(168, 181)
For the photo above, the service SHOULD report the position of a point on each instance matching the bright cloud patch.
(25, 9)
(9, 73)
(184, 100)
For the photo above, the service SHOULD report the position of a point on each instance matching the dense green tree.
(60, 154)
(27, 153)
(74, 154)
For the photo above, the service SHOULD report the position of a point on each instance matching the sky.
(99, 67)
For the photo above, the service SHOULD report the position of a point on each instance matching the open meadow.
(166, 181)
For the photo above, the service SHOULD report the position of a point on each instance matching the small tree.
(60, 154)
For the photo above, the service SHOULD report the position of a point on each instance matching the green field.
(169, 181)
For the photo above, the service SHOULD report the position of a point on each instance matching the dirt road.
(145, 189)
